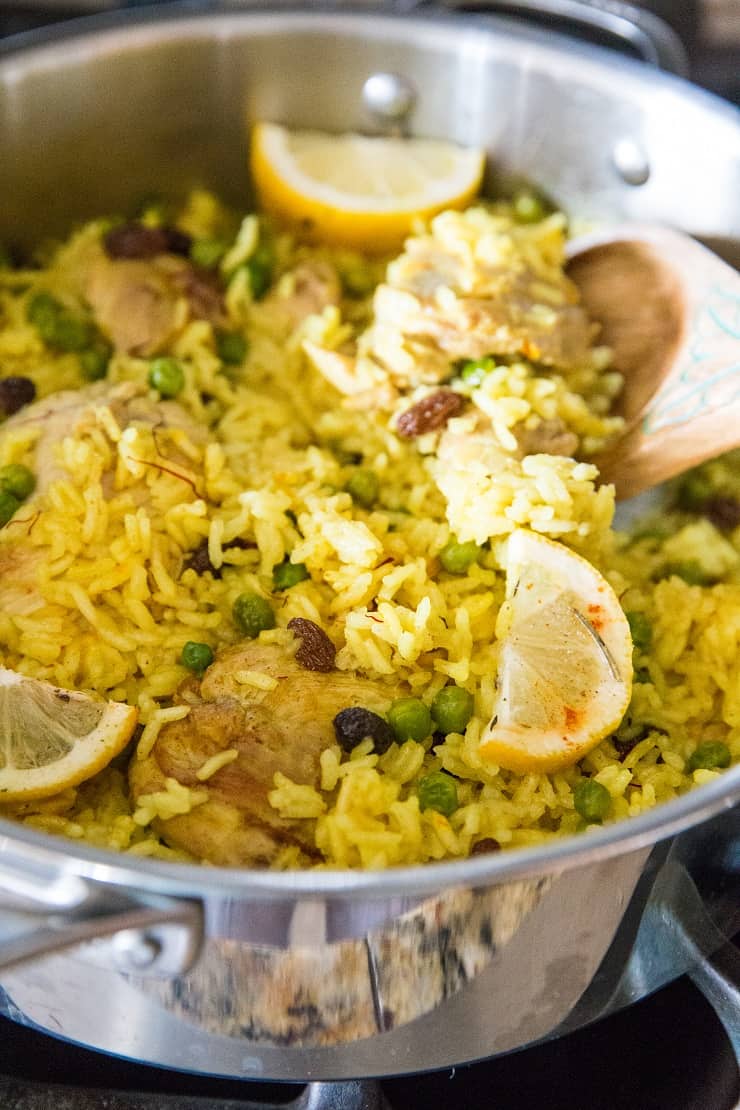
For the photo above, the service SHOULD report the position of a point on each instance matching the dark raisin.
(624, 747)
(356, 724)
(316, 652)
(630, 735)
(204, 292)
(430, 414)
(200, 561)
(240, 544)
(136, 240)
(178, 242)
(15, 392)
(723, 512)
(483, 847)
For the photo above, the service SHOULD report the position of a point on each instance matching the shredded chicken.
(283, 729)
(62, 414)
(307, 289)
(141, 304)
(548, 437)
(443, 302)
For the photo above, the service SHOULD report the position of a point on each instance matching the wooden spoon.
(670, 310)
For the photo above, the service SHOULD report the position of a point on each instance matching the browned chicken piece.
(444, 301)
(56, 416)
(474, 327)
(308, 288)
(507, 309)
(549, 437)
(284, 729)
(142, 304)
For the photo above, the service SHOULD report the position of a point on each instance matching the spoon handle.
(693, 413)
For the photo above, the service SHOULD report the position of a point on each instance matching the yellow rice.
(118, 607)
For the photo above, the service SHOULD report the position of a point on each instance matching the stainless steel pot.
(329, 974)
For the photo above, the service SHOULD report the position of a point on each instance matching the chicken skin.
(284, 729)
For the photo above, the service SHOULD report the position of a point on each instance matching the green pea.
(642, 676)
(528, 208)
(438, 791)
(712, 755)
(452, 708)
(9, 504)
(457, 558)
(591, 800)
(56, 325)
(167, 376)
(694, 490)
(253, 614)
(655, 535)
(287, 574)
(690, 570)
(196, 657)
(357, 280)
(70, 333)
(153, 210)
(42, 311)
(641, 630)
(475, 369)
(231, 347)
(94, 361)
(363, 487)
(410, 719)
(259, 268)
(18, 480)
(208, 252)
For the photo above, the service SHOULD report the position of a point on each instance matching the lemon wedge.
(565, 668)
(52, 738)
(357, 191)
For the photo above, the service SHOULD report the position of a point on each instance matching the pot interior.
(106, 112)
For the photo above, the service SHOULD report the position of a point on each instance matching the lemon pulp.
(565, 668)
(51, 738)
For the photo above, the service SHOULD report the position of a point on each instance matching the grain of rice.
(115, 605)
(215, 763)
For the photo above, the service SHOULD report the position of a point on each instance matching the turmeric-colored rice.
(276, 448)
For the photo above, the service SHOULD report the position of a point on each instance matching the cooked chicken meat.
(443, 301)
(310, 287)
(62, 414)
(284, 729)
(141, 304)
(548, 437)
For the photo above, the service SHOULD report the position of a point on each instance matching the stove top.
(668, 1052)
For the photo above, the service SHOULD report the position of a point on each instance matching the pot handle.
(650, 37)
(693, 941)
(718, 978)
(43, 910)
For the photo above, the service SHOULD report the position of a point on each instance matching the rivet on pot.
(134, 951)
(389, 97)
(630, 162)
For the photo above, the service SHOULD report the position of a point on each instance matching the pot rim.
(373, 20)
(151, 875)
(19, 843)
